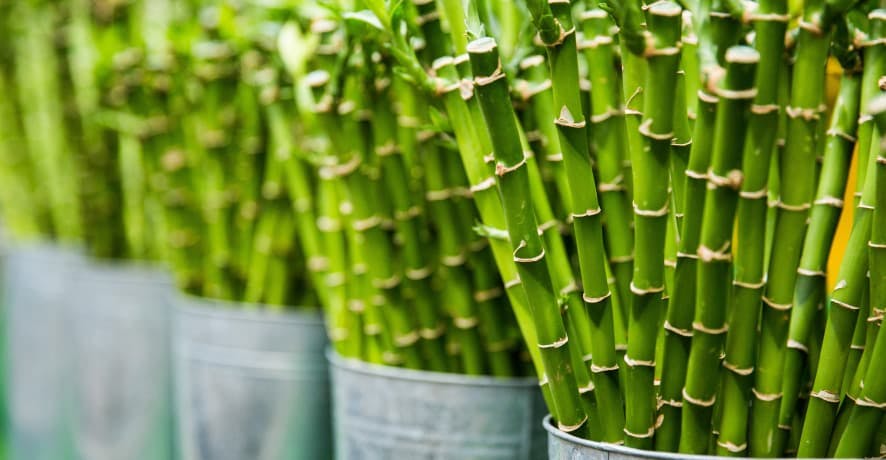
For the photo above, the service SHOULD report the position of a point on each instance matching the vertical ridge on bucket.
(122, 371)
(37, 282)
(250, 383)
(383, 412)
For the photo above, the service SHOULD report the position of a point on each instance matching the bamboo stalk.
(735, 93)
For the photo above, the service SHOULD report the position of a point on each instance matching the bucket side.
(250, 384)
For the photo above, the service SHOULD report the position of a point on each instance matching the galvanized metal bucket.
(121, 378)
(250, 383)
(564, 446)
(384, 412)
(38, 291)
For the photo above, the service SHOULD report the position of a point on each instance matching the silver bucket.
(250, 383)
(564, 446)
(38, 292)
(384, 412)
(121, 377)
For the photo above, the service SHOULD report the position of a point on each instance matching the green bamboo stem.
(513, 183)
(472, 140)
(842, 315)
(874, 58)
(749, 276)
(797, 171)
(681, 303)
(610, 143)
(714, 253)
(650, 181)
(36, 76)
(810, 288)
(560, 42)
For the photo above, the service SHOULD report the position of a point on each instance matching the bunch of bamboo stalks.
(669, 181)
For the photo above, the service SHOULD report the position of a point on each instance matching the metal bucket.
(121, 376)
(563, 446)
(250, 383)
(38, 291)
(384, 412)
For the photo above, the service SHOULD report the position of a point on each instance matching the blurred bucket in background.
(38, 290)
(383, 412)
(121, 372)
(250, 383)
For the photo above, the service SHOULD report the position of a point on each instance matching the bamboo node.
(826, 396)
(651, 213)
(811, 27)
(496, 75)
(531, 259)
(334, 279)
(410, 213)
(686, 255)
(566, 119)
(754, 194)
(649, 290)
(587, 358)
(561, 37)
(670, 263)
(792, 207)
(545, 226)
(487, 294)
(372, 329)
(453, 260)
(621, 259)
(722, 254)
(796, 345)
(571, 428)
(391, 358)
(766, 396)
(638, 362)
(420, 273)
(856, 346)
(738, 370)
(844, 304)
(555, 344)
(810, 272)
(648, 434)
(763, 109)
(677, 330)
(428, 17)
(594, 42)
(874, 245)
(465, 323)
(432, 334)
(670, 402)
(587, 388)
(749, 284)
(587, 213)
(512, 283)
(868, 402)
(646, 130)
(555, 157)
(698, 401)
(731, 447)
(615, 185)
(387, 283)
(600, 369)
(769, 17)
(808, 114)
(776, 306)
(698, 326)
(829, 201)
(676, 143)
(406, 339)
(501, 169)
(485, 184)
(543, 380)
(736, 94)
(438, 195)
(696, 175)
(732, 179)
(881, 160)
(595, 300)
(838, 133)
(607, 114)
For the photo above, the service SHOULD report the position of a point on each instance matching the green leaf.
(364, 18)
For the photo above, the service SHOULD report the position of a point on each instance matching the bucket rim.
(398, 373)
(622, 450)
(195, 305)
